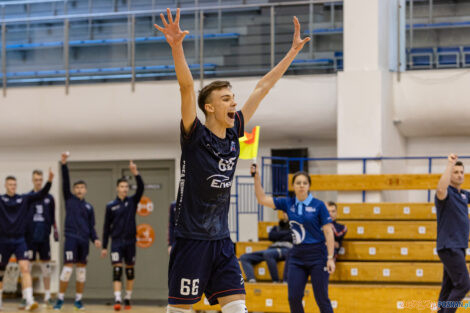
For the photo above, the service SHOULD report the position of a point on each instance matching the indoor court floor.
(93, 308)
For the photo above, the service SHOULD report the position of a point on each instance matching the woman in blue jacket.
(311, 225)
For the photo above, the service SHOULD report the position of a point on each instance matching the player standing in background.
(14, 211)
(41, 221)
(203, 258)
(79, 228)
(120, 224)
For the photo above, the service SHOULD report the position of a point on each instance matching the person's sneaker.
(127, 304)
(58, 305)
(32, 306)
(78, 305)
(22, 305)
(117, 305)
(49, 303)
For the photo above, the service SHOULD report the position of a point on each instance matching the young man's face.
(457, 176)
(37, 181)
(223, 106)
(10, 186)
(122, 189)
(333, 212)
(79, 191)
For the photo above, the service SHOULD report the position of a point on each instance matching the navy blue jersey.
(119, 221)
(207, 168)
(79, 214)
(41, 219)
(14, 212)
(452, 219)
(306, 218)
(171, 223)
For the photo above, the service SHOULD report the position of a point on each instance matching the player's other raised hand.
(171, 29)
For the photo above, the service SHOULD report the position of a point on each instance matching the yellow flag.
(249, 144)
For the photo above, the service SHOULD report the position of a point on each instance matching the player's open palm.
(172, 31)
(297, 42)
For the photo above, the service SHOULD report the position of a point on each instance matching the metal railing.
(198, 39)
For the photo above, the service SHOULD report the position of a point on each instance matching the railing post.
(66, 55)
(272, 21)
(429, 172)
(196, 31)
(364, 171)
(132, 39)
(431, 9)
(219, 17)
(236, 207)
(411, 24)
(153, 12)
(28, 24)
(311, 16)
(90, 20)
(4, 58)
(201, 48)
(332, 15)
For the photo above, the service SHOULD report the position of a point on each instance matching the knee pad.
(46, 269)
(80, 273)
(171, 309)
(66, 273)
(237, 306)
(117, 273)
(130, 273)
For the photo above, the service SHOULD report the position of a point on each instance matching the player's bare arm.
(269, 80)
(174, 36)
(444, 181)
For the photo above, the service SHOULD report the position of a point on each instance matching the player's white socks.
(60, 296)
(47, 295)
(78, 296)
(172, 309)
(28, 295)
(117, 296)
(128, 294)
(237, 306)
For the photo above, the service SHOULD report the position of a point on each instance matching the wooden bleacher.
(388, 259)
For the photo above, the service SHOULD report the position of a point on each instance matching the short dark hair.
(10, 177)
(205, 92)
(459, 163)
(301, 173)
(79, 182)
(332, 203)
(122, 180)
(37, 172)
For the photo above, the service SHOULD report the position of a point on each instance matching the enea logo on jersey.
(220, 181)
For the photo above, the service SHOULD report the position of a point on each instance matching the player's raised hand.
(64, 157)
(172, 31)
(254, 170)
(51, 175)
(297, 42)
(133, 168)
(452, 158)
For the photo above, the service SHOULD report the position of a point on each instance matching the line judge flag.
(249, 144)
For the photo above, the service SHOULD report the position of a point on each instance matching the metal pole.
(28, 14)
(115, 5)
(364, 171)
(201, 49)
(311, 17)
(429, 171)
(90, 20)
(66, 55)
(398, 42)
(153, 14)
(65, 7)
(411, 24)
(4, 58)
(196, 31)
(272, 37)
(219, 18)
(332, 15)
(133, 53)
(431, 8)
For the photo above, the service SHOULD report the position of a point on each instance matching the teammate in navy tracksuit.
(41, 222)
(171, 225)
(452, 234)
(119, 223)
(203, 258)
(79, 229)
(311, 225)
(339, 230)
(14, 210)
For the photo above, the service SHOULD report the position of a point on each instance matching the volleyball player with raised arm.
(203, 259)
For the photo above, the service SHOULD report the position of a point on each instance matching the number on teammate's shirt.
(69, 255)
(189, 287)
(115, 256)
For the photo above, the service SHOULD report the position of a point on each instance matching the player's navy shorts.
(123, 250)
(9, 246)
(203, 266)
(75, 250)
(41, 248)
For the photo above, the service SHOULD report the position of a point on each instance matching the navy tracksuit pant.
(456, 282)
(305, 260)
